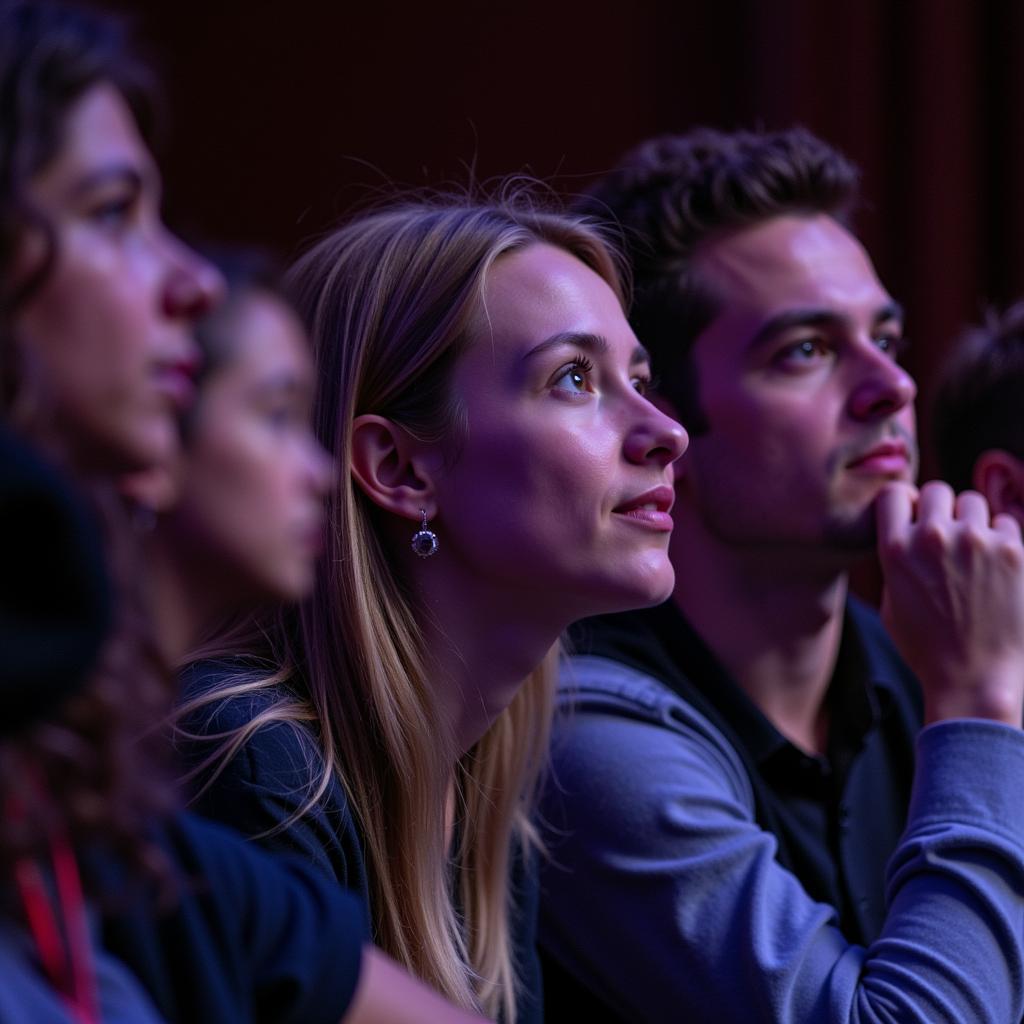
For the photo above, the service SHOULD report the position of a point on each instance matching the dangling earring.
(424, 540)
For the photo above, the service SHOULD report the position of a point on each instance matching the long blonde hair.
(391, 300)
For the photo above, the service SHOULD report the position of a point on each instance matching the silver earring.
(424, 540)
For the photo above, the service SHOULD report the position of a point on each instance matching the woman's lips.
(177, 383)
(651, 509)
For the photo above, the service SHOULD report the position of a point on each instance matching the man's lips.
(888, 458)
(650, 509)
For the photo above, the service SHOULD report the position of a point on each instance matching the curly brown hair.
(674, 192)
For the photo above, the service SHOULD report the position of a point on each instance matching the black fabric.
(248, 937)
(838, 818)
(267, 782)
(55, 602)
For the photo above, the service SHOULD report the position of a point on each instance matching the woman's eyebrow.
(130, 174)
(595, 343)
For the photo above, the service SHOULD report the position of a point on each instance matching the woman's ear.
(999, 476)
(394, 470)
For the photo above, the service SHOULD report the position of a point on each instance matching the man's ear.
(999, 476)
(393, 469)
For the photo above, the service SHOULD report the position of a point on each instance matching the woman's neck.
(180, 608)
(481, 648)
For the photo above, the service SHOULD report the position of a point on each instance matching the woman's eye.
(574, 377)
(283, 418)
(642, 384)
(113, 212)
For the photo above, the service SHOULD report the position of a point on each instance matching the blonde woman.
(501, 475)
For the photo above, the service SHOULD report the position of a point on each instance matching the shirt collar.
(867, 671)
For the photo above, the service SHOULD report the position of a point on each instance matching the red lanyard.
(67, 963)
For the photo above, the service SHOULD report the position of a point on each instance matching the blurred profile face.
(809, 412)
(559, 489)
(107, 335)
(252, 477)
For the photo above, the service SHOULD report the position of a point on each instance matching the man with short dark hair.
(739, 832)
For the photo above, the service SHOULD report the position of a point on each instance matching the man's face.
(809, 414)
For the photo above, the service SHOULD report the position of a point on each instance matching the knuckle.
(931, 538)
(972, 538)
(892, 549)
(1011, 553)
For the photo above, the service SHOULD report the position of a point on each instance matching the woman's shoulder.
(221, 678)
(253, 760)
(238, 696)
(241, 731)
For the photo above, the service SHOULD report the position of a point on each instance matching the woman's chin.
(650, 587)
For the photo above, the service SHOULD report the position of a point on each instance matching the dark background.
(284, 115)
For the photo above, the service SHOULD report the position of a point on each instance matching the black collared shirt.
(836, 818)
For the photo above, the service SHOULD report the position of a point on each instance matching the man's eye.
(893, 345)
(807, 350)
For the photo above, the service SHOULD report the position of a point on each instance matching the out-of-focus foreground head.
(54, 594)
(97, 298)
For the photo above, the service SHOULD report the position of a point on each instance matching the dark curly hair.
(978, 401)
(87, 769)
(672, 193)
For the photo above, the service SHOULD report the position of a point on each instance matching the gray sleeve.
(665, 897)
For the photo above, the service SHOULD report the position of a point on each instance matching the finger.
(894, 511)
(971, 509)
(935, 504)
(1006, 525)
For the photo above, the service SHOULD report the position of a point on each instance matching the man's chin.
(854, 532)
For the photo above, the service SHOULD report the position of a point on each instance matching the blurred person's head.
(978, 422)
(240, 509)
(97, 302)
(97, 297)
